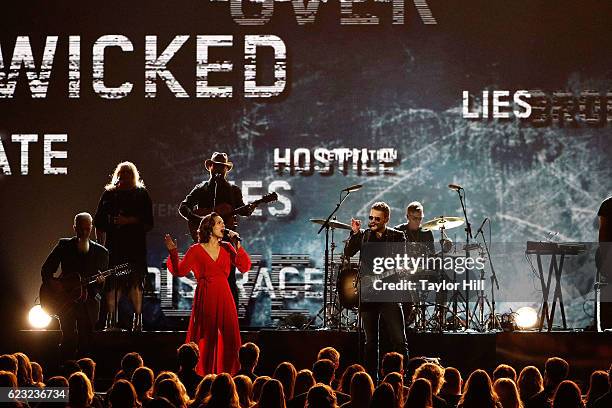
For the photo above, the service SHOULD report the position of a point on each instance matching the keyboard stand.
(547, 315)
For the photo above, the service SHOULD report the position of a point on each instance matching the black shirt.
(210, 194)
(249, 374)
(419, 235)
(542, 399)
(72, 261)
(354, 244)
(299, 401)
(366, 237)
(190, 380)
(604, 401)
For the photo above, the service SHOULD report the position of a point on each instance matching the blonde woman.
(122, 220)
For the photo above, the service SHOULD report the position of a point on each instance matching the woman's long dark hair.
(285, 373)
(206, 227)
(567, 396)
(420, 395)
(345, 381)
(272, 395)
(478, 392)
(384, 396)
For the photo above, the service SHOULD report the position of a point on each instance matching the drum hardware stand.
(457, 294)
(478, 313)
(327, 227)
(335, 320)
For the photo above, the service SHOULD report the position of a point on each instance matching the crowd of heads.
(417, 383)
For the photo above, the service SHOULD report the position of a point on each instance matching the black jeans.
(77, 324)
(393, 317)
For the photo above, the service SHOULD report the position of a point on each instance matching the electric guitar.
(57, 294)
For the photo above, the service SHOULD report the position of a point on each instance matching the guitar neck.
(237, 210)
(104, 274)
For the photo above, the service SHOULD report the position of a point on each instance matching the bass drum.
(346, 286)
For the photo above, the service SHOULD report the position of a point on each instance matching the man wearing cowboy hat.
(213, 193)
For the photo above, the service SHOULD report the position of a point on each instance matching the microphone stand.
(468, 235)
(493, 320)
(326, 275)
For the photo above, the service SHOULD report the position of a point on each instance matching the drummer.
(412, 229)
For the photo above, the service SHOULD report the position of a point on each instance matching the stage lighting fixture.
(526, 317)
(38, 318)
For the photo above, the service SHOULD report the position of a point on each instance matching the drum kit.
(428, 311)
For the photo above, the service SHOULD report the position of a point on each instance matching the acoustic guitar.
(227, 212)
(56, 295)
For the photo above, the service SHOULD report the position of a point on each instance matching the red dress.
(213, 325)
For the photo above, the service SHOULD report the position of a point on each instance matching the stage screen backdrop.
(398, 97)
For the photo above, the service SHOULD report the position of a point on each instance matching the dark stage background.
(376, 87)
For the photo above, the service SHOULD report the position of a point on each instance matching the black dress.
(126, 243)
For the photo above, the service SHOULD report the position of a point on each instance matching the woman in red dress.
(213, 325)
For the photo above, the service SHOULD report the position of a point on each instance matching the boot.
(110, 321)
(137, 323)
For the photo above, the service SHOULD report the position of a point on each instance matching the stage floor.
(585, 351)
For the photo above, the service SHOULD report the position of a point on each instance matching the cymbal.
(443, 221)
(332, 223)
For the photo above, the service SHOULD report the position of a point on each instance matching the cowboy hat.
(219, 158)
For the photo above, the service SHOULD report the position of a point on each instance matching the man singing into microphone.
(218, 195)
(371, 312)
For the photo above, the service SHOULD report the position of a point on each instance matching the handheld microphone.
(232, 234)
(481, 226)
(350, 189)
(455, 187)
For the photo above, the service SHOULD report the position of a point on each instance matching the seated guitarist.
(218, 195)
(79, 258)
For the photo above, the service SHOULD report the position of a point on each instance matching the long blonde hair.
(137, 181)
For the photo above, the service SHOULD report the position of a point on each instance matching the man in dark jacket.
(79, 258)
(372, 312)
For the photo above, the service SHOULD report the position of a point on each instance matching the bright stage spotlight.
(526, 317)
(38, 318)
